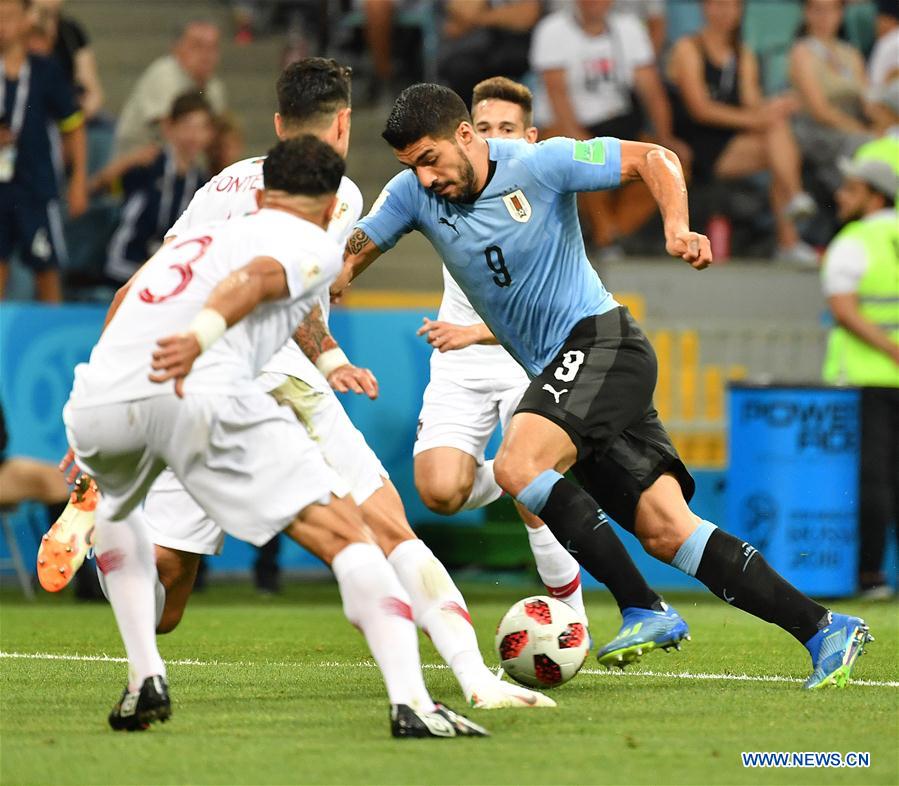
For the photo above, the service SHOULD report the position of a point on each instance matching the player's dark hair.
(313, 90)
(424, 110)
(187, 103)
(500, 88)
(303, 165)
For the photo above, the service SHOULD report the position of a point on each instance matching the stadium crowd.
(86, 197)
(773, 110)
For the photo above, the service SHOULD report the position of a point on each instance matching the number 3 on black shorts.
(571, 364)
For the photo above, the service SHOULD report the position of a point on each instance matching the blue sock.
(536, 493)
(689, 555)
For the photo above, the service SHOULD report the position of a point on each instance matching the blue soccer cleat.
(643, 630)
(834, 650)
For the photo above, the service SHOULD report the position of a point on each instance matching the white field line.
(698, 676)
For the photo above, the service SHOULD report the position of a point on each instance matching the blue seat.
(769, 29)
(859, 21)
(684, 17)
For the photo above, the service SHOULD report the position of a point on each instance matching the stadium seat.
(684, 17)
(859, 21)
(14, 561)
(100, 143)
(769, 29)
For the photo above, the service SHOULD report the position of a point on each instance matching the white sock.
(159, 592)
(374, 601)
(125, 557)
(485, 489)
(440, 611)
(559, 571)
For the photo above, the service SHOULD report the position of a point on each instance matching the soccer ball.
(542, 642)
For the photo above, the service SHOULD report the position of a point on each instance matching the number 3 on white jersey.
(571, 364)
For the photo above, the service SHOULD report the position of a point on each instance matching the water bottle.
(719, 232)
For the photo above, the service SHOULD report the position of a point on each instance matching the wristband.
(208, 326)
(331, 359)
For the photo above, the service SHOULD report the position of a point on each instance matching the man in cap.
(861, 282)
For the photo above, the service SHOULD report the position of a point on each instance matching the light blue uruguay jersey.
(516, 251)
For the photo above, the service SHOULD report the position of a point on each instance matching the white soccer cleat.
(66, 544)
(499, 695)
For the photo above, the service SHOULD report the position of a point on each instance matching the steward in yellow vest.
(861, 281)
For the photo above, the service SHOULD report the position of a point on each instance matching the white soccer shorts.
(245, 461)
(175, 520)
(463, 414)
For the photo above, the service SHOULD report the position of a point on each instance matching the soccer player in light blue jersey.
(502, 215)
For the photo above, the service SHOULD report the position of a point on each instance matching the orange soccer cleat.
(68, 541)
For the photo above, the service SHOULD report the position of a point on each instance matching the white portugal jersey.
(232, 193)
(478, 361)
(175, 283)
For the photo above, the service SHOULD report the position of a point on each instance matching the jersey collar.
(491, 171)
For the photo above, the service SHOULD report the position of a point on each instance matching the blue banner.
(40, 345)
(793, 482)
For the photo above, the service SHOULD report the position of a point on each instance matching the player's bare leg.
(47, 286)
(445, 478)
(177, 573)
(437, 605)
(24, 478)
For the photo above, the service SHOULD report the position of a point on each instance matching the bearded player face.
(442, 165)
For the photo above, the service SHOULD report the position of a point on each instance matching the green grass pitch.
(281, 691)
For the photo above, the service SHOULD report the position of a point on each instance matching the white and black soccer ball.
(542, 642)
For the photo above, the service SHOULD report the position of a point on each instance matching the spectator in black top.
(735, 132)
(33, 94)
(72, 48)
(484, 38)
(158, 184)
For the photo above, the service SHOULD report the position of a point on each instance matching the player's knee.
(442, 498)
(662, 537)
(442, 492)
(513, 474)
(660, 545)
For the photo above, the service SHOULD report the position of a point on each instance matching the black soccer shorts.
(599, 389)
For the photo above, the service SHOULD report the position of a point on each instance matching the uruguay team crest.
(518, 206)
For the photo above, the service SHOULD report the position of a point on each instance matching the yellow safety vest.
(849, 360)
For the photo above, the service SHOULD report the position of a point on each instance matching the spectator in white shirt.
(652, 14)
(590, 62)
(190, 67)
(883, 68)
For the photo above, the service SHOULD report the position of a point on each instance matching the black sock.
(741, 576)
(580, 526)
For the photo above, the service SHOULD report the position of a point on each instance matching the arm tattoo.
(356, 242)
(313, 336)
